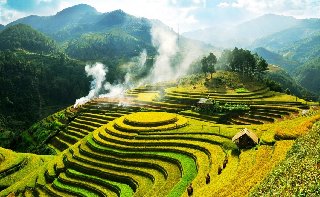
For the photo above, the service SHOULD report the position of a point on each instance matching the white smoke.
(166, 42)
(133, 68)
(192, 52)
(98, 72)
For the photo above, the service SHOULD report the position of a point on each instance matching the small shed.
(245, 139)
(203, 102)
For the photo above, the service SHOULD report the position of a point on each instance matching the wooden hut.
(245, 139)
(203, 102)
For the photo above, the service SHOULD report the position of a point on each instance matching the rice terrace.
(164, 98)
(152, 146)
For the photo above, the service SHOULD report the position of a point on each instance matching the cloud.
(224, 5)
(11, 10)
(187, 14)
(296, 8)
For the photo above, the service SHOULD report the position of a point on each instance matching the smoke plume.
(170, 63)
(98, 72)
(166, 43)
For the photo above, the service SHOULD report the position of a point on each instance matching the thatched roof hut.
(245, 139)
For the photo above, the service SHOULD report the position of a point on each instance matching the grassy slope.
(299, 173)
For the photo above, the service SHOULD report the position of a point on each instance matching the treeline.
(34, 86)
(237, 60)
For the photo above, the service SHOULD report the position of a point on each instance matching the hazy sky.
(187, 14)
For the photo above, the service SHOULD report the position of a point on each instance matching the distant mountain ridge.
(1, 27)
(245, 33)
(284, 39)
(80, 19)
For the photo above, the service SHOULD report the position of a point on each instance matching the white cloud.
(187, 14)
(224, 5)
(296, 8)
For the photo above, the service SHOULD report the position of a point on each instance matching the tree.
(224, 60)
(244, 62)
(211, 61)
(208, 64)
(204, 66)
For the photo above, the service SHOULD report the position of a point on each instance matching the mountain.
(244, 34)
(116, 43)
(287, 82)
(66, 19)
(308, 75)
(72, 22)
(277, 59)
(24, 37)
(304, 50)
(281, 40)
(2, 27)
(89, 35)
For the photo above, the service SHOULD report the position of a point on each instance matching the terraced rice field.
(158, 148)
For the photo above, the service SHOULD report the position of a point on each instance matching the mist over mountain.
(285, 39)
(244, 34)
(282, 40)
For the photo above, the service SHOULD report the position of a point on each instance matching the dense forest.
(31, 89)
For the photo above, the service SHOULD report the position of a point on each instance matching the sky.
(185, 15)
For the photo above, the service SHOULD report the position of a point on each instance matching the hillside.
(1, 27)
(114, 44)
(283, 39)
(23, 37)
(277, 59)
(112, 149)
(289, 84)
(308, 75)
(31, 89)
(304, 50)
(301, 161)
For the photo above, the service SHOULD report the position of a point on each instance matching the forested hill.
(34, 86)
(1, 27)
(80, 19)
(24, 37)
(89, 35)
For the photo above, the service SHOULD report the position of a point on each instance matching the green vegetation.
(31, 90)
(298, 174)
(216, 107)
(243, 61)
(156, 139)
(23, 37)
(208, 64)
(308, 75)
(158, 153)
